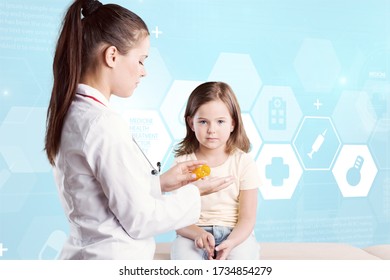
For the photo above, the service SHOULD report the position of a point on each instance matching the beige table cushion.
(381, 251)
(312, 251)
(300, 251)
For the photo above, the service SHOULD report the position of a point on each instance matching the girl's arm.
(245, 224)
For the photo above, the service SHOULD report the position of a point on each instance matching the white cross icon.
(2, 249)
(317, 104)
(157, 32)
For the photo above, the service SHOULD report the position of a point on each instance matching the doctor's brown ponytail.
(66, 72)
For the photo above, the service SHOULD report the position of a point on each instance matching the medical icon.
(277, 171)
(2, 249)
(317, 144)
(353, 175)
(280, 168)
(53, 245)
(354, 179)
(277, 113)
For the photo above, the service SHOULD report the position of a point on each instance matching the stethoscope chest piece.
(154, 170)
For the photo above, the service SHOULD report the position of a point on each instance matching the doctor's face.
(130, 69)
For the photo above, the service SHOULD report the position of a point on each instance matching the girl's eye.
(221, 121)
(202, 122)
(141, 63)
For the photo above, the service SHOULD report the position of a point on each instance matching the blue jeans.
(220, 234)
(185, 249)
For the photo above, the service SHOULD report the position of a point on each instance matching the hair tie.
(90, 6)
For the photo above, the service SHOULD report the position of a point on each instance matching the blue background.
(327, 61)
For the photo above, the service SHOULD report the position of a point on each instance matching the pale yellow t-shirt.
(221, 208)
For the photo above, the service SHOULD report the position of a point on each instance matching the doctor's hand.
(179, 175)
(209, 185)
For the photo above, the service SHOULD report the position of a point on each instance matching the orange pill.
(202, 171)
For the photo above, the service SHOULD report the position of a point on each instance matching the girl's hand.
(206, 241)
(179, 175)
(223, 249)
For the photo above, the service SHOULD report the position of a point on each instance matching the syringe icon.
(317, 144)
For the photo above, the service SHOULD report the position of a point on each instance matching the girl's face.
(130, 68)
(212, 124)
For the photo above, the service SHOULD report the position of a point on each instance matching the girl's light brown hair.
(204, 93)
(76, 52)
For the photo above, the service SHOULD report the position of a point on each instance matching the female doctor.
(112, 195)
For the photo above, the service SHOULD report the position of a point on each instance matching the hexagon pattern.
(355, 125)
(22, 140)
(317, 65)
(280, 169)
(252, 134)
(355, 170)
(276, 113)
(240, 73)
(149, 132)
(174, 104)
(379, 143)
(13, 84)
(317, 143)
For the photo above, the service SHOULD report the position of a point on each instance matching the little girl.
(215, 133)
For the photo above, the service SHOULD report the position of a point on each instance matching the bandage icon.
(53, 245)
(317, 144)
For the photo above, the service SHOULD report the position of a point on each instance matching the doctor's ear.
(110, 56)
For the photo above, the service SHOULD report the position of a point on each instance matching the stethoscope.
(154, 170)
